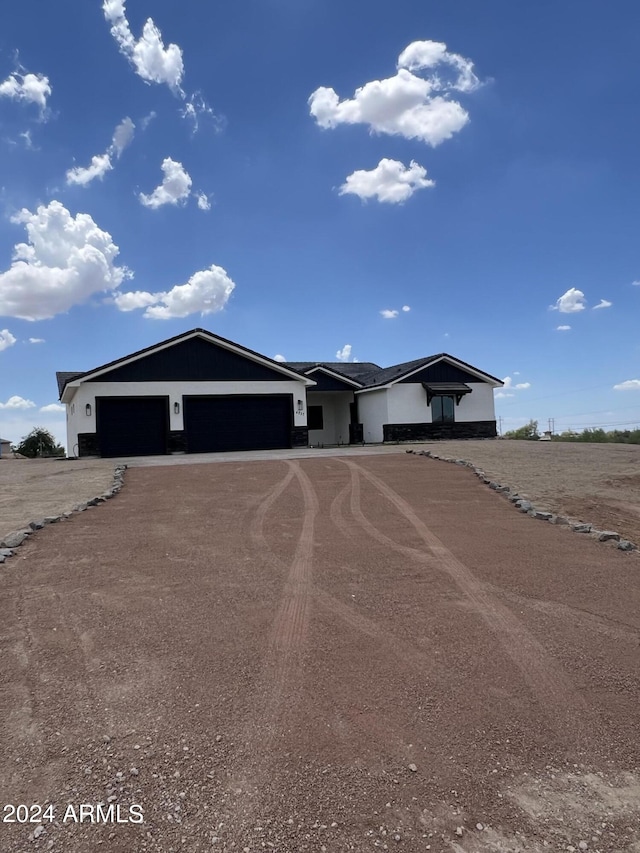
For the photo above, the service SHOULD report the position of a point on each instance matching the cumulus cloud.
(52, 407)
(415, 107)
(152, 61)
(562, 328)
(344, 354)
(203, 201)
(570, 302)
(206, 292)
(509, 385)
(18, 403)
(389, 313)
(36, 340)
(65, 260)
(406, 308)
(28, 88)
(391, 181)
(604, 303)
(628, 385)
(102, 163)
(175, 186)
(6, 339)
(98, 168)
(499, 395)
(279, 357)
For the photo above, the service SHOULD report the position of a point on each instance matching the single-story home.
(5, 448)
(198, 392)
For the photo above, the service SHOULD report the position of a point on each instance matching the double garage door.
(139, 426)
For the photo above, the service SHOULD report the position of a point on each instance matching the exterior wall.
(336, 417)
(408, 404)
(79, 423)
(372, 414)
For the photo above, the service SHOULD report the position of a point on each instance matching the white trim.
(484, 377)
(201, 333)
(335, 375)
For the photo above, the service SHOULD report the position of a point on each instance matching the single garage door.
(237, 423)
(132, 426)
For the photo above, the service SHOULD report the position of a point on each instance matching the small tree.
(528, 432)
(39, 442)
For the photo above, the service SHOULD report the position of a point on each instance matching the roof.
(64, 377)
(366, 373)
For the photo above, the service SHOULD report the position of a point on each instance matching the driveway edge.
(13, 540)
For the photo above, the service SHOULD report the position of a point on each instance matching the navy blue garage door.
(132, 426)
(237, 423)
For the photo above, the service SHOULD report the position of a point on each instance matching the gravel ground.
(35, 488)
(597, 483)
(330, 654)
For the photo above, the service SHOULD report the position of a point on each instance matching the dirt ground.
(597, 483)
(330, 654)
(34, 488)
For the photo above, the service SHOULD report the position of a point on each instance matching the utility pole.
(500, 425)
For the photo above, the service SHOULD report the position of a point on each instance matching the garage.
(132, 426)
(237, 422)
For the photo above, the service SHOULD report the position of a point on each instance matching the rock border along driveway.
(524, 505)
(13, 540)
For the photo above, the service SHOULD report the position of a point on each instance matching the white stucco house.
(198, 392)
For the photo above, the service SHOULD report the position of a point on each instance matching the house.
(5, 448)
(198, 392)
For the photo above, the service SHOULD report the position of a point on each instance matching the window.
(315, 419)
(442, 410)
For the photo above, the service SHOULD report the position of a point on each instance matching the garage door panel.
(214, 424)
(132, 426)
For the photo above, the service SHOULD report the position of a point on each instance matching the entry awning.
(446, 389)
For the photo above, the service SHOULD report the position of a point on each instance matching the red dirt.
(273, 646)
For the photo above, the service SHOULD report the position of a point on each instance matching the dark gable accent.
(442, 371)
(193, 359)
(328, 383)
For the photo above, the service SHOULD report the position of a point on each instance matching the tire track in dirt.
(559, 701)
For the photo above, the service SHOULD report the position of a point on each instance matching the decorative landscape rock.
(525, 506)
(37, 525)
(608, 536)
(52, 519)
(13, 540)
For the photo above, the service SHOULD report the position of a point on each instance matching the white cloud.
(405, 105)
(65, 261)
(636, 283)
(279, 357)
(30, 88)
(206, 292)
(6, 339)
(18, 403)
(197, 109)
(175, 186)
(429, 54)
(501, 394)
(52, 407)
(391, 181)
(389, 314)
(122, 136)
(562, 328)
(203, 201)
(628, 385)
(406, 308)
(570, 302)
(344, 354)
(102, 163)
(36, 340)
(510, 386)
(152, 61)
(604, 303)
(146, 121)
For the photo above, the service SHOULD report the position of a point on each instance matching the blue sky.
(292, 174)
